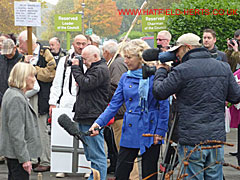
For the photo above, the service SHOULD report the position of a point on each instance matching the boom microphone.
(65, 122)
(150, 54)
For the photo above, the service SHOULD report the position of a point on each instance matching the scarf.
(143, 87)
(214, 53)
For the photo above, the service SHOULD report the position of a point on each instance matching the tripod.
(170, 154)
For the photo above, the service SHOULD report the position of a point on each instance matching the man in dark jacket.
(209, 40)
(9, 57)
(202, 85)
(92, 99)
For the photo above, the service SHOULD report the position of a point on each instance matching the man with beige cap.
(202, 85)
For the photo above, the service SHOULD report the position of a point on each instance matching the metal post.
(83, 6)
(68, 40)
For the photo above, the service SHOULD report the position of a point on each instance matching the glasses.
(161, 39)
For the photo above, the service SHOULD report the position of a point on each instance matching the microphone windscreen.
(150, 54)
(68, 125)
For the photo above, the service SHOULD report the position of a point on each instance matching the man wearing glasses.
(163, 40)
(233, 53)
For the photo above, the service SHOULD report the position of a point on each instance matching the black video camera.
(232, 43)
(79, 57)
(157, 54)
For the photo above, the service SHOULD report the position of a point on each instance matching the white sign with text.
(27, 13)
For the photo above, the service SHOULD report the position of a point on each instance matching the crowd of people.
(103, 84)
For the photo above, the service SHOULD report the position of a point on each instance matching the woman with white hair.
(20, 139)
(144, 114)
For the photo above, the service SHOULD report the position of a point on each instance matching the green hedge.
(224, 25)
(134, 35)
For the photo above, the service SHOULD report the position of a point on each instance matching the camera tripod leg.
(167, 146)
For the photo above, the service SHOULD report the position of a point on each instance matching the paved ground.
(230, 173)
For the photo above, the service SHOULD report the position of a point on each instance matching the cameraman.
(232, 52)
(202, 85)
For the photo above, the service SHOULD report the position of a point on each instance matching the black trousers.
(111, 146)
(126, 159)
(16, 171)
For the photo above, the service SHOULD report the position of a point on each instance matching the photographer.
(202, 85)
(232, 52)
(92, 99)
(63, 90)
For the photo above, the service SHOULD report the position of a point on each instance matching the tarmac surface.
(229, 172)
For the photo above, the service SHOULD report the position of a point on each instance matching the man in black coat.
(92, 99)
(202, 85)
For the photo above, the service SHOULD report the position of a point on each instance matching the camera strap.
(64, 71)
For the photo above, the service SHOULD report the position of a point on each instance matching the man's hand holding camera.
(232, 43)
(163, 65)
(75, 61)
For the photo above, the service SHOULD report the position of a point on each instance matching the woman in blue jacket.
(144, 114)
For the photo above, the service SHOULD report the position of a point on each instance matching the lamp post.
(83, 6)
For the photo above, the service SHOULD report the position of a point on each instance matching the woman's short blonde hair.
(135, 48)
(19, 74)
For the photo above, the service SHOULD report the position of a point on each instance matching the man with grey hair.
(56, 50)
(96, 41)
(163, 39)
(116, 69)
(92, 99)
(45, 65)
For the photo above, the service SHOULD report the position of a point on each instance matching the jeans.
(202, 159)
(95, 153)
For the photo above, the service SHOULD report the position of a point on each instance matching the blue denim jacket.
(137, 121)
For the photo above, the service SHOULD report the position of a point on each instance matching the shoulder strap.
(64, 71)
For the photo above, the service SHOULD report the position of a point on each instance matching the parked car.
(149, 40)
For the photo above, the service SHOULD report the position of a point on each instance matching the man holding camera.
(202, 85)
(92, 99)
(233, 53)
(61, 95)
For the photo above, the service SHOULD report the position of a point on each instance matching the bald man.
(92, 99)
(61, 95)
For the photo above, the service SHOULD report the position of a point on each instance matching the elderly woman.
(20, 140)
(144, 114)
